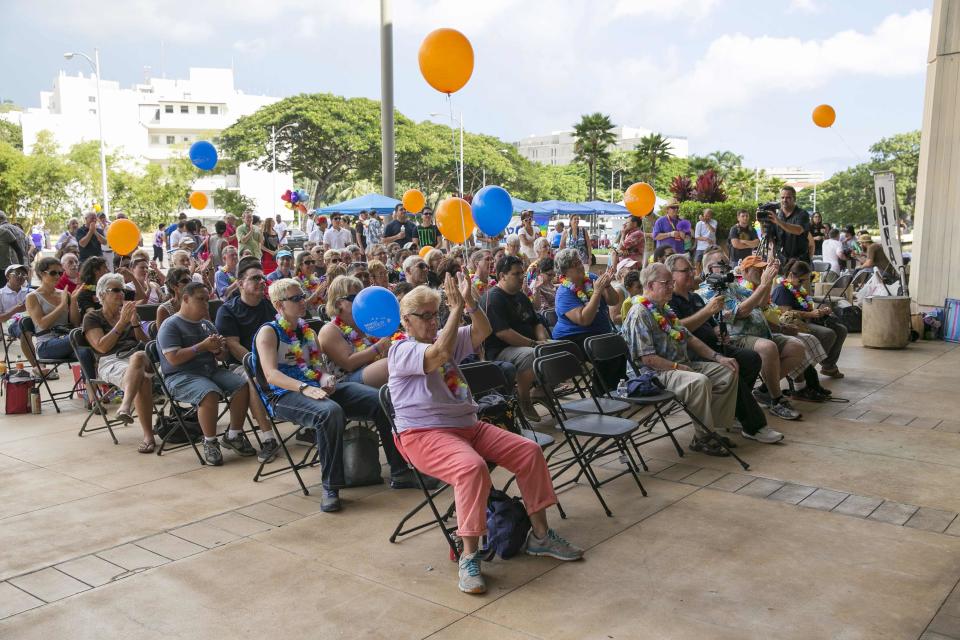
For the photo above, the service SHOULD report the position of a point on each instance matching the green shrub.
(725, 213)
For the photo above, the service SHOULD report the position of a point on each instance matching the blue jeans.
(55, 349)
(328, 418)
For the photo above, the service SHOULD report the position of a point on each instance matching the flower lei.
(668, 321)
(800, 294)
(362, 342)
(583, 293)
(454, 381)
(310, 283)
(310, 367)
(483, 286)
(230, 277)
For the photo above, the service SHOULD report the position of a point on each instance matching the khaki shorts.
(747, 342)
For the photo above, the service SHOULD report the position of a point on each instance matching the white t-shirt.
(832, 252)
(175, 237)
(705, 230)
(337, 239)
(528, 250)
(10, 299)
(281, 230)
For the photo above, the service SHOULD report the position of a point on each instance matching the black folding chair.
(85, 356)
(213, 306)
(550, 319)
(252, 367)
(27, 330)
(147, 312)
(611, 346)
(581, 385)
(8, 340)
(176, 410)
(599, 431)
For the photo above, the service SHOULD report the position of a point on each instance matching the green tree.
(84, 160)
(333, 137)
(697, 165)
(668, 170)
(47, 182)
(155, 194)
(426, 159)
(232, 201)
(652, 151)
(12, 171)
(592, 141)
(847, 197)
(741, 183)
(726, 162)
(12, 134)
(900, 153)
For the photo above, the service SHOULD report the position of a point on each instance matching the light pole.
(436, 115)
(95, 63)
(273, 153)
(613, 172)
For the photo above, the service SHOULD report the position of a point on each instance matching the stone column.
(935, 266)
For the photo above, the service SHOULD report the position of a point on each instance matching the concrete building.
(156, 121)
(557, 148)
(797, 177)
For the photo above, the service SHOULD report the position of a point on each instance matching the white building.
(156, 121)
(796, 177)
(557, 147)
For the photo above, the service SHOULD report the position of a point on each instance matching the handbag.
(645, 383)
(793, 319)
(361, 457)
(17, 390)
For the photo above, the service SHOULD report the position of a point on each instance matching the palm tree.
(593, 137)
(652, 151)
(726, 161)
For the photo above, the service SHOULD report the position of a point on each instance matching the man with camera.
(792, 227)
(700, 319)
(743, 311)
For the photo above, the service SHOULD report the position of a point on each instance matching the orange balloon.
(198, 200)
(123, 236)
(639, 199)
(824, 116)
(446, 60)
(424, 250)
(455, 219)
(413, 200)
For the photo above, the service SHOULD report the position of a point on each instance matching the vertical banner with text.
(888, 218)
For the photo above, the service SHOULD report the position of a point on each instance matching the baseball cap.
(752, 261)
(283, 253)
(626, 264)
(14, 267)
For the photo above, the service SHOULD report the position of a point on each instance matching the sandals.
(708, 447)
(832, 373)
(147, 447)
(124, 416)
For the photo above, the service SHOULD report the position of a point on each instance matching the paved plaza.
(848, 530)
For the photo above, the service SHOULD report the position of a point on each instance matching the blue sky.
(729, 74)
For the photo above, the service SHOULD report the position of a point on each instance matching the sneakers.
(307, 435)
(268, 451)
(765, 435)
(552, 545)
(330, 501)
(762, 397)
(471, 581)
(782, 408)
(709, 447)
(240, 444)
(211, 452)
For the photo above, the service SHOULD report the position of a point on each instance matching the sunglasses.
(300, 297)
(349, 298)
(422, 265)
(55, 274)
(256, 278)
(336, 260)
(184, 281)
(309, 262)
(114, 290)
(426, 316)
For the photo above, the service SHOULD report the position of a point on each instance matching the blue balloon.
(294, 197)
(377, 312)
(203, 155)
(492, 209)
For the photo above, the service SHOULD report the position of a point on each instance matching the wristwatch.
(303, 385)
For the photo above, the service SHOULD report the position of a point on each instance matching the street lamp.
(95, 63)
(612, 173)
(436, 115)
(273, 153)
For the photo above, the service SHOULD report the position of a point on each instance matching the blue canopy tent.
(369, 202)
(522, 205)
(607, 208)
(559, 207)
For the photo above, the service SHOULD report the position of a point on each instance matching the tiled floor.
(847, 529)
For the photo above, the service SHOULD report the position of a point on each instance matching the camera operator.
(699, 318)
(792, 227)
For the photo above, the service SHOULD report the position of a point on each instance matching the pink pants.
(459, 456)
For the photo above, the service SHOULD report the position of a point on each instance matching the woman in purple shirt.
(670, 229)
(439, 433)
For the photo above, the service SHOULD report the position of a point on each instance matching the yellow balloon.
(446, 60)
(424, 250)
(413, 201)
(123, 236)
(824, 116)
(198, 200)
(639, 199)
(455, 219)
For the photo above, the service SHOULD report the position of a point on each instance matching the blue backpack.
(507, 525)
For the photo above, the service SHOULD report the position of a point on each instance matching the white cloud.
(803, 6)
(255, 46)
(664, 9)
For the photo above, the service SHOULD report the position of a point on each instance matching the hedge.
(725, 213)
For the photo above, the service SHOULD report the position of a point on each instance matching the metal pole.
(611, 185)
(273, 152)
(814, 197)
(461, 154)
(103, 152)
(756, 184)
(387, 167)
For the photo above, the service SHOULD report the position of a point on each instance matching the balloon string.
(849, 148)
(453, 139)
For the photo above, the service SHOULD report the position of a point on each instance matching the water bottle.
(35, 400)
(622, 388)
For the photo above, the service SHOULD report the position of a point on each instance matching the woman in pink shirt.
(440, 434)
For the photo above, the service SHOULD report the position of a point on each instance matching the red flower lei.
(454, 381)
(311, 370)
(481, 287)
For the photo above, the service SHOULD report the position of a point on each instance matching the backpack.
(850, 316)
(18, 391)
(507, 525)
(361, 457)
(168, 430)
(499, 411)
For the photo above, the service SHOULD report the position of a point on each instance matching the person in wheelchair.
(439, 433)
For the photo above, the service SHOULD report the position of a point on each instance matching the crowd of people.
(708, 344)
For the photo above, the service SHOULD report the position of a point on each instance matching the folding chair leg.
(712, 435)
(294, 466)
(670, 432)
(578, 454)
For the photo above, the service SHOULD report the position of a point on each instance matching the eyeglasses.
(300, 297)
(334, 260)
(687, 270)
(309, 262)
(114, 290)
(184, 281)
(55, 274)
(256, 278)
(349, 298)
(422, 265)
(666, 283)
(426, 316)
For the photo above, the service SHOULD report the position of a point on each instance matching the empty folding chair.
(580, 387)
(588, 435)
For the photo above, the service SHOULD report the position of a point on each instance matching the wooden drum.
(886, 322)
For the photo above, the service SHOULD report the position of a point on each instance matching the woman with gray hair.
(582, 309)
(114, 333)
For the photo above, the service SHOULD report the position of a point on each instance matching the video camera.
(765, 212)
(719, 281)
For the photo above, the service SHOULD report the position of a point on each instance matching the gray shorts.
(520, 357)
(192, 388)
